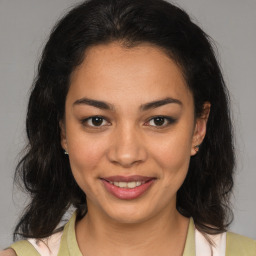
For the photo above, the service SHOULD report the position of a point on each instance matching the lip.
(127, 178)
(127, 193)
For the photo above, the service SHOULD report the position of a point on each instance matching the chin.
(128, 213)
(128, 218)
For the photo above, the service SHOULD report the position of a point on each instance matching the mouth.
(127, 188)
(132, 184)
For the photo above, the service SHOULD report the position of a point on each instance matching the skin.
(128, 142)
(8, 252)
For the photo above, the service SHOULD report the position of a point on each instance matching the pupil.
(97, 121)
(159, 121)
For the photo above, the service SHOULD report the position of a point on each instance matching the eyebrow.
(107, 106)
(159, 103)
(94, 103)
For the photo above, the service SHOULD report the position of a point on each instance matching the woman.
(128, 122)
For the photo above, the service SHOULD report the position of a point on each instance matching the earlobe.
(200, 129)
(63, 138)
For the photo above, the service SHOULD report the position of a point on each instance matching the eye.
(95, 121)
(160, 121)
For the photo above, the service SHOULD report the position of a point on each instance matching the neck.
(163, 234)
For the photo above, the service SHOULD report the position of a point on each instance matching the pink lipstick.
(127, 187)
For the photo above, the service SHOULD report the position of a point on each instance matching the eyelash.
(167, 121)
(85, 121)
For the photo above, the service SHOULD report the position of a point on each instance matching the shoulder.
(240, 245)
(210, 244)
(8, 252)
(48, 246)
(227, 243)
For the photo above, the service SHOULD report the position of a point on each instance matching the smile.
(131, 184)
(127, 188)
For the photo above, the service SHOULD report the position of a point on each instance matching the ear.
(63, 138)
(200, 128)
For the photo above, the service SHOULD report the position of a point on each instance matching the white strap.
(49, 246)
(203, 247)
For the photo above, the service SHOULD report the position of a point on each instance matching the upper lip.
(128, 178)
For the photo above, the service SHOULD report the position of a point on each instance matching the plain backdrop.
(24, 28)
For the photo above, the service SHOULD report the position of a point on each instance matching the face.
(130, 131)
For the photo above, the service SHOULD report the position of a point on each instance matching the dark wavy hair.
(45, 170)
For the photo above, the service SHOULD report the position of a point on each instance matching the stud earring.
(196, 148)
(65, 152)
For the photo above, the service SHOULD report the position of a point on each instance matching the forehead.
(111, 71)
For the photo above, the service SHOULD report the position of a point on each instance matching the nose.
(127, 147)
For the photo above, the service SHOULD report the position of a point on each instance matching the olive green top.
(236, 245)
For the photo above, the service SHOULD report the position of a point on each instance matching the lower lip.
(127, 193)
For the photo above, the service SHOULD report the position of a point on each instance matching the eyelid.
(85, 120)
(170, 120)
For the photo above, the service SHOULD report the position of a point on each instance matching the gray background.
(24, 27)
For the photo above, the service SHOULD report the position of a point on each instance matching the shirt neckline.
(69, 245)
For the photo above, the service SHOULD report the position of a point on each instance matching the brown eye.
(160, 121)
(95, 121)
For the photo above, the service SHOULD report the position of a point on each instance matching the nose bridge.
(127, 147)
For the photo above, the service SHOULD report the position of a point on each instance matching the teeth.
(122, 184)
(138, 183)
(131, 184)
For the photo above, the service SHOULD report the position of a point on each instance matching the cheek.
(85, 154)
(173, 153)
(174, 163)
